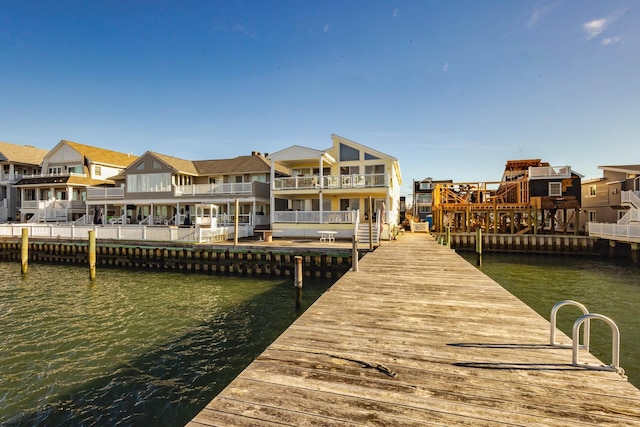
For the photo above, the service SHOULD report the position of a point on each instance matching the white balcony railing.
(101, 193)
(549, 172)
(7, 177)
(213, 189)
(54, 175)
(313, 217)
(52, 204)
(332, 181)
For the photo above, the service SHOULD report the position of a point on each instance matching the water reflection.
(130, 348)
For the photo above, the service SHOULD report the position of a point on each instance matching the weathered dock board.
(420, 337)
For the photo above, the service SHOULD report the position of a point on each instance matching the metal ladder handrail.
(615, 339)
(552, 322)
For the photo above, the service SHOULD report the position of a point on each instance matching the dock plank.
(418, 336)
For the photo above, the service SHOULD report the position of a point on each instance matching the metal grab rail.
(552, 322)
(615, 339)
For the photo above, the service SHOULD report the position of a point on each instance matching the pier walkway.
(420, 337)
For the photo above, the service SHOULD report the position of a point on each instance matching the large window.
(349, 204)
(348, 153)
(373, 169)
(148, 182)
(592, 191)
(349, 170)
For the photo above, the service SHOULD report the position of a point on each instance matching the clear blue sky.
(453, 89)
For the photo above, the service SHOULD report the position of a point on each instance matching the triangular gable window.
(157, 164)
(140, 166)
(368, 156)
(348, 153)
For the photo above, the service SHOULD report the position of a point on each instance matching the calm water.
(607, 287)
(131, 348)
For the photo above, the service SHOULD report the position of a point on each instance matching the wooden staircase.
(363, 233)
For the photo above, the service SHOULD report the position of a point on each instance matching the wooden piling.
(298, 280)
(25, 250)
(354, 253)
(479, 247)
(92, 254)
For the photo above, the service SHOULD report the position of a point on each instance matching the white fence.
(124, 232)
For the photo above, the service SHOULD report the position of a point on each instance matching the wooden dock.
(420, 337)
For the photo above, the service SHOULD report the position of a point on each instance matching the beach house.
(339, 189)
(16, 161)
(58, 192)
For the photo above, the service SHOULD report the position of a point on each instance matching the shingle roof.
(21, 153)
(102, 155)
(240, 164)
(180, 165)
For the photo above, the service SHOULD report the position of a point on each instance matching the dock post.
(354, 253)
(479, 247)
(298, 280)
(25, 250)
(92, 254)
(448, 237)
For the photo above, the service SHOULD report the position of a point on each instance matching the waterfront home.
(58, 192)
(423, 198)
(157, 189)
(338, 189)
(611, 204)
(15, 162)
(531, 197)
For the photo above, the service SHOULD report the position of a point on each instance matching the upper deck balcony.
(105, 193)
(236, 188)
(258, 189)
(9, 178)
(55, 175)
(549, 172)
(331, 182)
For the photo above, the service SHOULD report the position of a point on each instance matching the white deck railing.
(213, 189)
(10, 177)
(549, 172)
(52, 204)
(630, 198)
(332, 181)
(54, 175)
(313, 217)
(125, 232)
(100, 193)
(620, 232)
